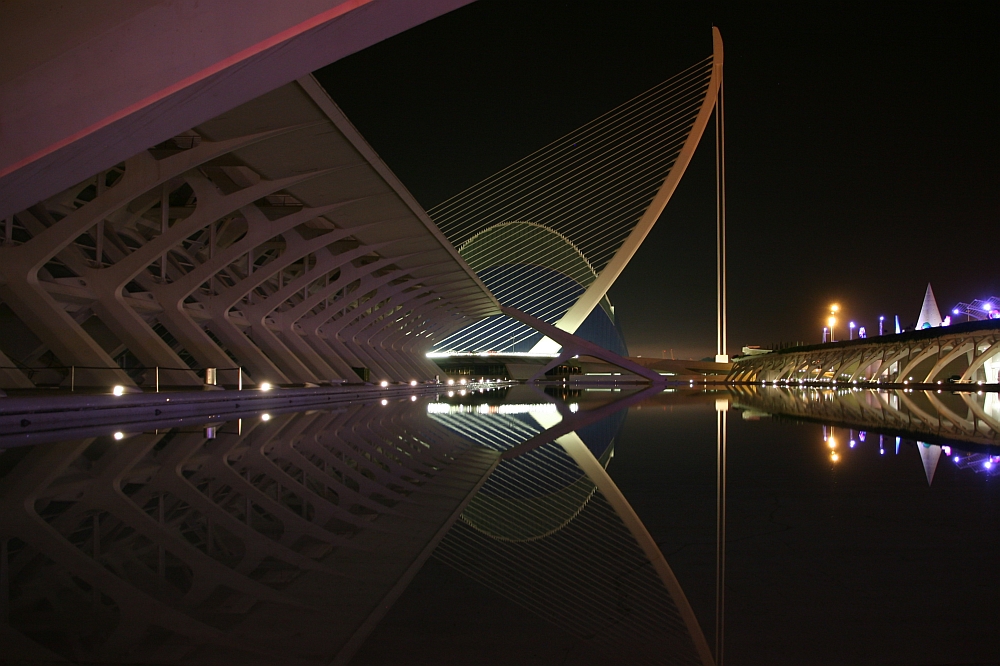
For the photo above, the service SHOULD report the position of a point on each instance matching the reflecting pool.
(515, 525)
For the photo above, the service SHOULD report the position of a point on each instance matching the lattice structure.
(174, 548)
(965, 353)
(978, 309)
(270, 238)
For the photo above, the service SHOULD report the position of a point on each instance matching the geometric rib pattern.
(968, 352)
(174, 548)
(271, 237)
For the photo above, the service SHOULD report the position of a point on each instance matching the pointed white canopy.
(929, 314)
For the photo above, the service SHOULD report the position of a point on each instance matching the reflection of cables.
(721, 425)
(590, 578)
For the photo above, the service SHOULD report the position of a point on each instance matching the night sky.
(863, 152)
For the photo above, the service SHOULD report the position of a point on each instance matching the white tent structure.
(930, 316)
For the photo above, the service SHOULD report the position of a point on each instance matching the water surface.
(516, 526)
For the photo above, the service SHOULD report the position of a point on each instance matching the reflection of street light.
(851, 326)
(831, 322)
(880, 320)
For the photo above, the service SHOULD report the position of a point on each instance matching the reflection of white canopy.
(929, 456)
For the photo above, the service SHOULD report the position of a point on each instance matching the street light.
(831, 322)
(880, 320)
(825, 329)
(851, 326)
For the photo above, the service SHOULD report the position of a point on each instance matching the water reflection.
(285, 538)
(550, 531)
(961, 427)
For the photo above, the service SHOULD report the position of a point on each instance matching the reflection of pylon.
(929, 456)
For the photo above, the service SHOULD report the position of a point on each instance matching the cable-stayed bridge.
(550, 233)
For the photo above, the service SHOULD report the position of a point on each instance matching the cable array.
(526, 266)
(593, 184)
(539, 232)
(541, 534)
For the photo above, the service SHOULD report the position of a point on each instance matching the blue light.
(988, 464)
(956, 458)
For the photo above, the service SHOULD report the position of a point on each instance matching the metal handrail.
(73, 368)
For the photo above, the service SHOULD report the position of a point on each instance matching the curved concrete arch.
(914, 361)
(957, 350)
(580, 310)
(979, 360)
(980, 412)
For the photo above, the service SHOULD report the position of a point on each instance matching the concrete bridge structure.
(964, 353)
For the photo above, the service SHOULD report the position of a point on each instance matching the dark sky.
(863, 153)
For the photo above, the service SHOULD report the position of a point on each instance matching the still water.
(517, 526)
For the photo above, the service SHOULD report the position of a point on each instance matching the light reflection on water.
(964, 427)
(327, 536)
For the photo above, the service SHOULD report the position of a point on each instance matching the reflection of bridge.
(930, 416)
(194, 546)
(970, 352)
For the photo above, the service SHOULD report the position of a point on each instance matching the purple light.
(955, 311)
(853, 443)
(988, 464)
(956, 458)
